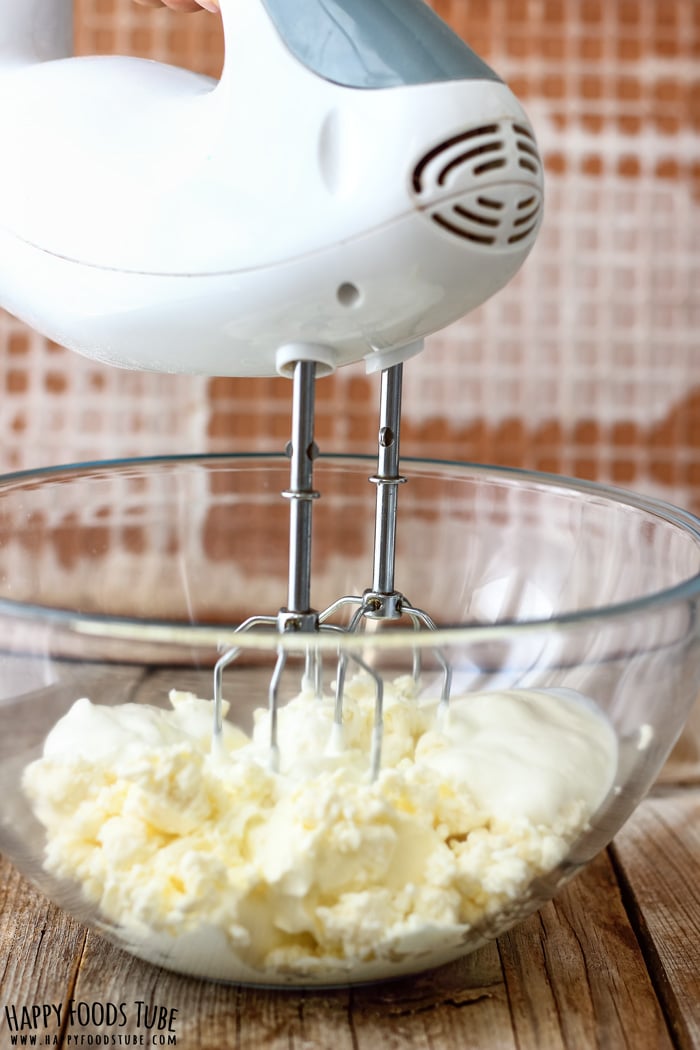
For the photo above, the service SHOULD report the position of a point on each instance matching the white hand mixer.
(356, 180)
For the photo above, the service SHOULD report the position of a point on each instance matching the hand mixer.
(356, 180)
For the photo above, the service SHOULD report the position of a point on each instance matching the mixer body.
(155, 219)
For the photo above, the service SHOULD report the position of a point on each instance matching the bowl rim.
(124, 628)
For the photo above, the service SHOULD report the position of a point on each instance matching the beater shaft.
(387, 479)
(297, 615)
(301, 494)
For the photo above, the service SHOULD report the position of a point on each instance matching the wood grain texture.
(40, 948)
(575, 973)
(658, 857)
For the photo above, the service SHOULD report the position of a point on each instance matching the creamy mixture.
(209, 863)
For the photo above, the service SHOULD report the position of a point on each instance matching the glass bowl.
(566, 613)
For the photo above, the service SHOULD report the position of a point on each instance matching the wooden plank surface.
(576, 976)
(658, 857)
(40, 947)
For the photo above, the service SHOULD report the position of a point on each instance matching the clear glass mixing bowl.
(122, 581)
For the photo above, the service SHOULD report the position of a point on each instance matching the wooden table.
(613, 963)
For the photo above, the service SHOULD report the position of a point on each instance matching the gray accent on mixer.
(375, 43)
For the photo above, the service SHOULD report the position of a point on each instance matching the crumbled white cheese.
(209, 863)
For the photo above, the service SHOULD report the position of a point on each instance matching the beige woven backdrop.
(588, 363)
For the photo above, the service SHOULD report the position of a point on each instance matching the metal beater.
(381, 601)
(357, 180)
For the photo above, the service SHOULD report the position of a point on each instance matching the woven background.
(587, 364)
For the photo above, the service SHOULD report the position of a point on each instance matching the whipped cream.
(206, 861)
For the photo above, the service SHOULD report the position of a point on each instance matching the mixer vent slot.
(482, 140)
(528, 155)
(462, 231)
(476, 153)
(463, 158)
(515, 237)
(488, 202)
(487, 221)
(483, 185)
(491, 165)
(526, 218)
